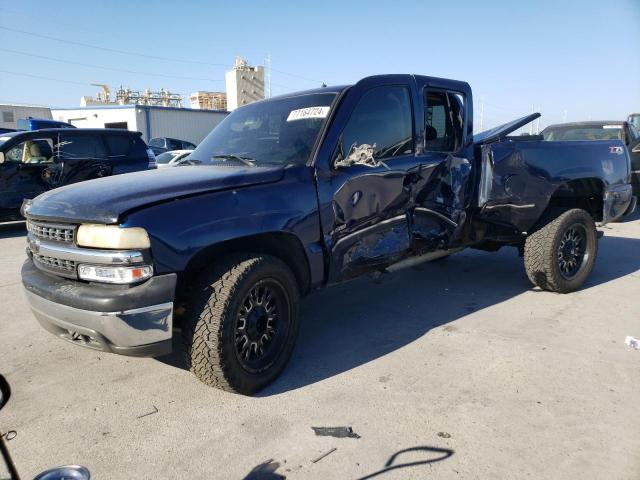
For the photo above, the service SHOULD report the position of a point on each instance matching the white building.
(245, 84)
(152, 121)
(10, 114)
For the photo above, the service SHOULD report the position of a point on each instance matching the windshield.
(280, 131)
(166, 157)
(591, 132)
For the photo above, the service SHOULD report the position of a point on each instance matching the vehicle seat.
(34, 155)
(430, 133)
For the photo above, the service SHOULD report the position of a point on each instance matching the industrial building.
(245, 84)
(208, 100)
(10, 114)
(160, 113)
(152, 121)
(127, 96)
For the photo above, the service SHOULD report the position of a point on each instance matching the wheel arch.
(282, 245)
(584, 193)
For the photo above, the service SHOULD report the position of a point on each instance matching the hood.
(105, 200)
(497, 133)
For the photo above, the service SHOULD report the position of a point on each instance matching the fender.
(179, 231)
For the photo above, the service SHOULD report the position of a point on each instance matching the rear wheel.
(560, 256)
(242, 323)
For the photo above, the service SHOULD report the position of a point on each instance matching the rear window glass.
(584, 133)
(119, 145)
(174, 144)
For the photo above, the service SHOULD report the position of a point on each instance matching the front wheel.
(560, 256)
(242, 322)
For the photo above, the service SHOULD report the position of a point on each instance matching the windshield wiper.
(246, 160)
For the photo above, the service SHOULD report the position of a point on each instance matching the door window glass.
(444, 121)
(35, 151)
(380, 125)
(80, 147)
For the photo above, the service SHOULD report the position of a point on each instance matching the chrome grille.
(51, 231)
(55, 263)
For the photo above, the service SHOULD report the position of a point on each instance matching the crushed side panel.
(440, 204)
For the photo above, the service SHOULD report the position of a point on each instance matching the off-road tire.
(210, 321)
(541, 251)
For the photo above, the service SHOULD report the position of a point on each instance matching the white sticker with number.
(309, 112)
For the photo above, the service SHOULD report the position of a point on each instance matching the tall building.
(245, 84)
(208, 100)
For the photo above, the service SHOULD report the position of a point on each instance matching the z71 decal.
(616, 150)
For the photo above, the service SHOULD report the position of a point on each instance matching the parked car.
(163, 144)
(33, 162)
(299, 192)
(170, 159)
(40, 123)
(602, 130)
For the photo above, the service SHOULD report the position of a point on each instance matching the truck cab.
(299, 192)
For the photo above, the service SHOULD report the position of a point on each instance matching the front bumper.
(128, 320)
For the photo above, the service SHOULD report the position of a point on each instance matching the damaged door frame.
(388, 218)
(437, 218)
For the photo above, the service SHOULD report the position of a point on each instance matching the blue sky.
(573, 59)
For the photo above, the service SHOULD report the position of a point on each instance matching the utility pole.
(267, 62)
(482, 113)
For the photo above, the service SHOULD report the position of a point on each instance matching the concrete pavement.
(452, 370)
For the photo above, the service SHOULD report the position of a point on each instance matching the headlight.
(112, 237)
(108, 274)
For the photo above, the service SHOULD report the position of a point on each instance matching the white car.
(171, 159)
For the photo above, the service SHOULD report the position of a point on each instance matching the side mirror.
(1, 157)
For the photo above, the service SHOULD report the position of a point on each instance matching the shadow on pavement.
(12, 230)
(351, 324)
(443, 453)
(267, 470)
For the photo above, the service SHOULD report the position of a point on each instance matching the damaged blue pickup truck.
(298, 192)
